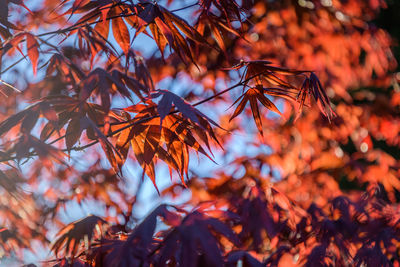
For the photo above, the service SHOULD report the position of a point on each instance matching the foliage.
(118, 85)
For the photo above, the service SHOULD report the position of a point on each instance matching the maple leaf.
(71, 236)
(136, 247)
(28, 117)
(261, 70)
(230, 9)
(194, 240)
(312, 86)
(188, 111)
(64, 66)
(12, 121)
(167, 137)
(217, 28)
(169, 142)
(87, 122)
(252, 95)
(95, 8)
(101, 11)
(46, 152)
(164, 27)
(105, 83)
(121, 33)
(165, 104)
(92, 41)
(33, 52)
(31, 47)
(145, 143)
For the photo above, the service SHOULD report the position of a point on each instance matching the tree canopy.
(292, 109)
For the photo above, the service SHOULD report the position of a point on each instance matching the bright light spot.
(339, 152)
(326, 2)
(296, 257)
(254, 37)
(339, 15)
(22, 214)
(302, 3)
(100, 178)
(85, 65)
(364, 147)
(397, 76)
(310, 5)
(86, 240)
(330, 92)
(307, 4)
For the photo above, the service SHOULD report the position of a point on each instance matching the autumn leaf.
(33, 52)
(142, 236)
(217, 27)
(73, 132)
(121, 34)
(12, 121)
(169, 98)
(312, 87)
(229, 9)
(166, 28)
(194, 238)
(28, 117)
(106, 84)
(70, 237)
(252, 95)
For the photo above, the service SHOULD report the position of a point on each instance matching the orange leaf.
(255, 111)
(103, 29)
(239, 109)
(121, 34)
(72, 234)
(33, 52)
(159, 38)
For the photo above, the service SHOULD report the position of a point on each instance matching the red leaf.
(33, 52)
(72, 234)
(121, 34)
(73, 132)
(252, 95)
